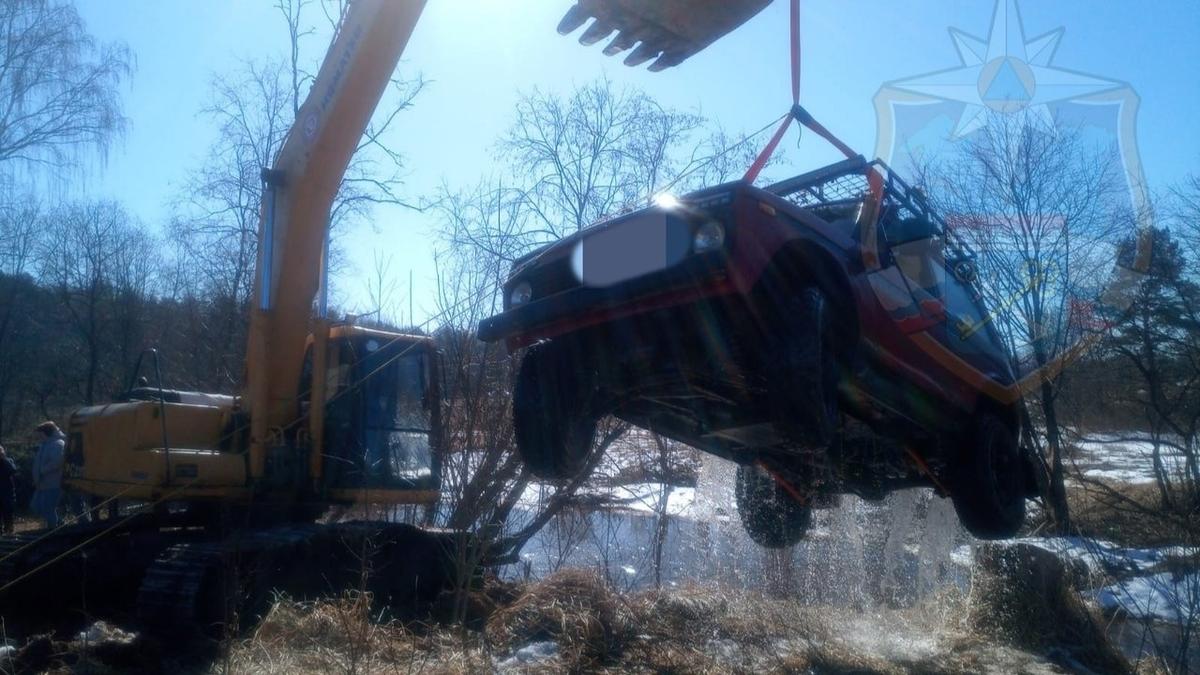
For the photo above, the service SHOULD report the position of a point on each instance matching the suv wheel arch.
(803, 263)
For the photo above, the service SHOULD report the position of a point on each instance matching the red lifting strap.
(797, 112)
(766, 152)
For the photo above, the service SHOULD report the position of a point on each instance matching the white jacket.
(48, 463)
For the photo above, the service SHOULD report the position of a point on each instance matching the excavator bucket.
(665, 31)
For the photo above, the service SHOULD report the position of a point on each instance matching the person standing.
(8, 491)
(47, 473)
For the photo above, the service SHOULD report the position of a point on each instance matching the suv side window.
(916, 247)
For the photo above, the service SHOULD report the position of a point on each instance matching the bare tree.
(494, 221)
(1160, 338)
(58, 86)
(382, 289)
(599, 150)
(58, 98)
(1185, 212)
(18, 244)
(724, 157)
(661, 508)
(575, 159)
(216, 223)
(136, 274)
(92, 256)
(484, 480)
(1043, 209)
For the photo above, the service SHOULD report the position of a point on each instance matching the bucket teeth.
(574, 18)
(668, 59)
(642, 54)
(665, 31)
(596, 32)
(624, 40)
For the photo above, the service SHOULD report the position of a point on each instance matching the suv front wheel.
(989, 483)
(771, 516)
(802, 371)
(552, 417)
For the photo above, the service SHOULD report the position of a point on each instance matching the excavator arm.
(298, 193)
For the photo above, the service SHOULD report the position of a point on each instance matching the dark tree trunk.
(1057, 497)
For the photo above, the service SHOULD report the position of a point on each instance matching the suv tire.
(989, 483)
(802, 377)
(552, 418)
(770, 515)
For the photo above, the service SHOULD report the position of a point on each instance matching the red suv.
(826, 333)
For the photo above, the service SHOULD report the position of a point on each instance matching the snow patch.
(1103, 556)
(1166, 597)
(1124, 458)
(1099, 556)
(645, 498)
(534, 653)
(636, 497)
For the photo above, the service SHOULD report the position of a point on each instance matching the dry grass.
(341, 636)
(690, 630)
(573, 608)
(1023, 596)
(1129, 515)
(698, 631)
(27, 524)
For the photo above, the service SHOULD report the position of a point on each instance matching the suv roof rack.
(846, 181)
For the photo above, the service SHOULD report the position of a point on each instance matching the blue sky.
(479, 54)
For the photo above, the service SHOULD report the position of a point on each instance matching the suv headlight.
(709, 236)
(520, 294)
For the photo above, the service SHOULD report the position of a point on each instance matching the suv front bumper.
(585, 306)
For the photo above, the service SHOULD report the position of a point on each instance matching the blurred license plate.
(632, 248)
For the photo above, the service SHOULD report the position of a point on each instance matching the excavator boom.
(298, 195)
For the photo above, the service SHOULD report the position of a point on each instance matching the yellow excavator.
(229, 487)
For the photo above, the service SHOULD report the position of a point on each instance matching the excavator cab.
(380, 434)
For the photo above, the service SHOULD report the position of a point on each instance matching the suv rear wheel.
(552, 417)
(989, 484)
(802, 374)
(770, 515)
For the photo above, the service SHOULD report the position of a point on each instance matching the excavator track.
(217, 586)
(41, 552)
(19, 556)
(11, 548)
(207, 584)
(173, 584)
(43, 572)
(178, 577)
(29, 554)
